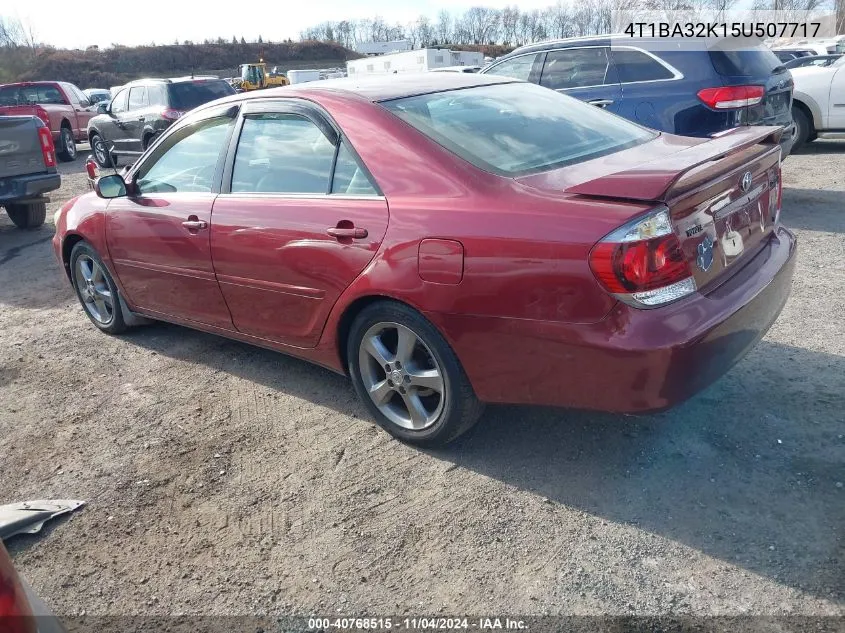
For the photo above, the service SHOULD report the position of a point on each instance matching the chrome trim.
(301, 196)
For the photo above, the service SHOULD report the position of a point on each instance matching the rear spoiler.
(655, 180)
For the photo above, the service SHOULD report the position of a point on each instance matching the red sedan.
(446, 240)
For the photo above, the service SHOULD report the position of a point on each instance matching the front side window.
(282, 153)
(517, 129)
(575, 68)
(516, 68)
(118, 104)
(632, 66)
(187, 160)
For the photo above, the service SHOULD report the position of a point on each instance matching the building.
(420, 60)
(383, 48)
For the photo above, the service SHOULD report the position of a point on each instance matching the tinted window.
(757, 61)
(187, 160)
(22, 95)
(187, 95)
(517, 68)
(282, 153)
(118, 104)
(349, 177)
(137, 98)
(637, 66)
(517, 129)
(575, 68)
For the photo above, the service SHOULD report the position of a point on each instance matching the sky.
(165, 21)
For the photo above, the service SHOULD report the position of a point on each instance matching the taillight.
(171, 115)
(48, 150)
(728, 97)
(775, 195)
(91, 168)
(642, 262)
(15, 612)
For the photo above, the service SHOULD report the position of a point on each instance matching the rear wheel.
(803, 128)
(408, 376)
(67, 146)
(27, 216)
(96, 289)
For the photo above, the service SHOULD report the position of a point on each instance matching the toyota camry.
(446, 240)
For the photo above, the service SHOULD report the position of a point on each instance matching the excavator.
(256, 77)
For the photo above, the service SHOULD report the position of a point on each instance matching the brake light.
(728, 97)
(775, 195)
(642, 262)
(15, 613)
(48, 150)
(171, 115)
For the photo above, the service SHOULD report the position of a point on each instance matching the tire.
(803, 128)
(98, 147)
(148, 139)
(27, 216)
(67, 146)
(430, 364)
(95, 289)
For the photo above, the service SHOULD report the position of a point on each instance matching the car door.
(158, 236)
(289, 231)
(114, 132)
(79, 102)
(584, 73)
(836, 101)
(135, 118)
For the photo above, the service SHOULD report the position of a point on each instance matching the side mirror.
(102, 107)
(111, 186)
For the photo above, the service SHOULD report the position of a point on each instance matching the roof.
(397, 86)
(172, 80)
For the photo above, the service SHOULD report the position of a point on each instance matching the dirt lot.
(221, 478)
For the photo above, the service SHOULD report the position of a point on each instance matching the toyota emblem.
(745, 183)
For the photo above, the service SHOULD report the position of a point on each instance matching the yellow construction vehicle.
(256, 77)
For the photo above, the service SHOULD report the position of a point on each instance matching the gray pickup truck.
(27, 169)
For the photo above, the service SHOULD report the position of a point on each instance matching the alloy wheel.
(68, 142)
(402, 376)
(97, 298)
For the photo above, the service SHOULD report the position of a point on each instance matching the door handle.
(600, 103)
(195, 224)
(354, 233)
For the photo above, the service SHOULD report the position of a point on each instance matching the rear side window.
(516, 68)
(187, 95)
(634, 66)
(517, 129)
(282, 153)
(138, 98)
(349, 178)
(575, 68)
(756, 61)
(157, 95)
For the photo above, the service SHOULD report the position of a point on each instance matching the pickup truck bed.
(27, 169)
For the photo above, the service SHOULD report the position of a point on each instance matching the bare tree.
(509, 19)
(558, 20)
(482, 24)
(443, 30)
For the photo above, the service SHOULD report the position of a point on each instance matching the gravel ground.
(225, 479)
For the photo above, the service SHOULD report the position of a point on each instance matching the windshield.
(188, 95)
(517, 129)
(252, 74)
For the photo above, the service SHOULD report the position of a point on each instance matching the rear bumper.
(634, 361)
(19, 188)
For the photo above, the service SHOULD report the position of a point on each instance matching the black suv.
(143, 109)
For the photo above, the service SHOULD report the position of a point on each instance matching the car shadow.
(744, 472)
(822, 146)
(814, 209)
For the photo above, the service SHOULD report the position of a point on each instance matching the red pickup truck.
(63, 107)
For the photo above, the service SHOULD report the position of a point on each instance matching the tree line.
(513, 27)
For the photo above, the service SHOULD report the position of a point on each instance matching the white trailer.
(416, 61)
(302, 76)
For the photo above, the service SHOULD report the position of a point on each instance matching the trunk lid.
(721, 196)
(20, 149)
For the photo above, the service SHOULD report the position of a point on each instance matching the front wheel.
(96, 289)
(408, 376)
(803, 128)
(67, 146)
(101, 152)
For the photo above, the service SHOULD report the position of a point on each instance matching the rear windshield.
(747, 62)
(517, 129)
(23, 95)
(188, 95)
